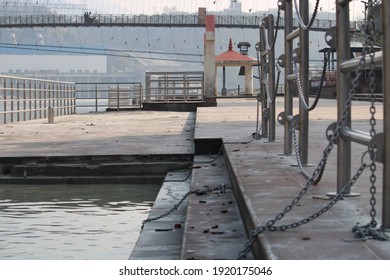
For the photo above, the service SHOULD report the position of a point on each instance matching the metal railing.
(338, 38)
(346, 64)
(168, 87)
(24, 99)
(108, 96)
(266, 57)
(181, 20)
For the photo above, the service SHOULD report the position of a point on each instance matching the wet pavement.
(264, 179)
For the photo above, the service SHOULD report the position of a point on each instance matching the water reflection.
(72, 221)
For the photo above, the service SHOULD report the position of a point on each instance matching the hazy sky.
(158, 6)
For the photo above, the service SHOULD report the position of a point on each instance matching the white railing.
(173, 87)
(24, 99)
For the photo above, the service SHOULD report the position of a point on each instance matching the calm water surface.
(72, 221)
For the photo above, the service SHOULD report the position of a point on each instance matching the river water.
(77, 222)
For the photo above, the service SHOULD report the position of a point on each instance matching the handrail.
(98, 96)
(24, 99)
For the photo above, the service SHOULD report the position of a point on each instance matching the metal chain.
(370, 228)
(300, 21)
(299, 161)
(273, 98)
(270, 224)
(179, 180)
(261, 82)
(372, 148)
(196, 192)
(297, 151)
(257, 131)
(277, 30)
(319, 91)
(332, 140)
(277, 83)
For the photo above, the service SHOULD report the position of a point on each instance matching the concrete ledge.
(90, 169)
(177, 106)
(162, 239)
(40, 180)
(260, 249)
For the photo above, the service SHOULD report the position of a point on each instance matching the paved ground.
(111, 133)
(264, 180)
(266, 183)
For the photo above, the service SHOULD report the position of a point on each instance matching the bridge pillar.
(210, 69)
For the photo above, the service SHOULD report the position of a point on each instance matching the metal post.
(117, 98)
(96, 98)
(24, 100)
(18, 100)
(263, 93)
(30, 88)
(271, 78)
(304, 77)
(12, 107)
(57, 97)
(288, 66)
(50, 115)
(44, 99)
(40, 99)
(223, 81)
(35, 101)
(5, 100)
(343, 87)
(386, 110)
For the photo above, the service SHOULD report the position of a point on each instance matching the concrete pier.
(263, 180)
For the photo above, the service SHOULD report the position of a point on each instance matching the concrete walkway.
(266, 182)
(109, 133)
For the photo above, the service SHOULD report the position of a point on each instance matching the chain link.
(176, 206)
(300, 21)
(179, 180)
(319, 91)
(370, 228)
(276, 31)
(270, 224)
(299, 161)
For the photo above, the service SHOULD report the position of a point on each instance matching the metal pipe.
(291, 77)
(304, 77)
(356, 136)
(386, 118)
(343, 87)
(272, 79)
(288, 96)
(264, 102)
(353, 64)
(292, 34)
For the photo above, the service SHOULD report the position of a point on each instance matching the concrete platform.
(266, 182)
(263, 178)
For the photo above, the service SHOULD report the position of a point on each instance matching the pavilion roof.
(232, 56)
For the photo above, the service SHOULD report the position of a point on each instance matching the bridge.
(183, 20)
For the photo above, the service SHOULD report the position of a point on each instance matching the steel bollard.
(50, 114)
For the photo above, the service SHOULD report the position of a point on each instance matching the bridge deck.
(221, 21)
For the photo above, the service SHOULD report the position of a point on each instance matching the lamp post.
(365, 10)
